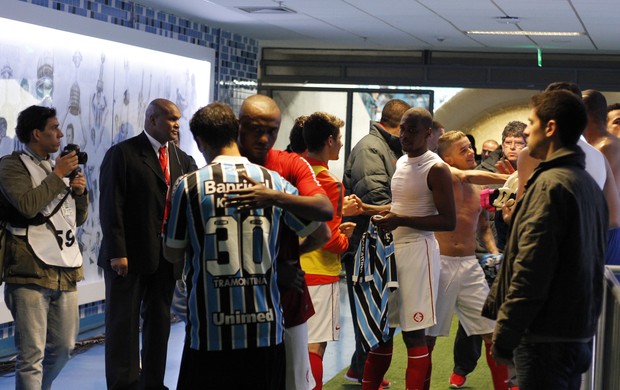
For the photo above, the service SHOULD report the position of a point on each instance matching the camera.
(82, 158)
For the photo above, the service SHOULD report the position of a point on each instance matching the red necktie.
(163, 161)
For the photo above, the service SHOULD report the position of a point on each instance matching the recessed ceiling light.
(280, 9)
(508, 19)
(532, 33)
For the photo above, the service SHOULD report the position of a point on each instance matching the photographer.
(43, 261)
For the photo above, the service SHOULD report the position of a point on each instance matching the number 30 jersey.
(233, 299)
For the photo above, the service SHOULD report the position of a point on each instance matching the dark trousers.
(555, 366)
(241, 369)
(467, 351)
(127, 299)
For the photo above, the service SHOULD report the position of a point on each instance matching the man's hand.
(347, 228)
(78, 184)
(388, 221)
(66, 164)
(256, 197)
(120, 265)
(507, 210)
(504, 166)
(352, 206)
(290, 276)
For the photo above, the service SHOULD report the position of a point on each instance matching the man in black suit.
(135, 181)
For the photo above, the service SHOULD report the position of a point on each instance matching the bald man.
(259, 124)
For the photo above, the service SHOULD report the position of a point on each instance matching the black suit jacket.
(131, 206)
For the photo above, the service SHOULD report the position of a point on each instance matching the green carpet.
(443, 363)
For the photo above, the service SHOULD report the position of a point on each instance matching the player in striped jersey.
(234, 312)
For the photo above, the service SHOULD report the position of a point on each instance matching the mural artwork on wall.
(100, 90)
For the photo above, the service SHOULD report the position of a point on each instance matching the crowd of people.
(513, 241)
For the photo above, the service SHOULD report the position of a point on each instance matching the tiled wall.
(236, 67)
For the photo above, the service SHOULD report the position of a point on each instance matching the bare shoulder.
(610, 147)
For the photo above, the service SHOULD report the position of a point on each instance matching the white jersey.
(595, 162)
(410, 193)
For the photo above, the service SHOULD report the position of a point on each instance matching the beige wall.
(484, 112)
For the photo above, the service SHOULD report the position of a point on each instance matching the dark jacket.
(133, 195)
(21, 265)
(489, 164)
(368, 174)
(550, 285)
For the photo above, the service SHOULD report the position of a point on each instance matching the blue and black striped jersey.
(233, 300)
(374, 274)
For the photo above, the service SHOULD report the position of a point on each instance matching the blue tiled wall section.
(91, 317)
(236, 67)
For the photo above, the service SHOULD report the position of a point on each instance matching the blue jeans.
(555, 366)
(46, 326)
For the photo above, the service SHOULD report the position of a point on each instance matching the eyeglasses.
(515, 144)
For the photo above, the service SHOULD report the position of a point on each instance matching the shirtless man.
(596, 131)
(613, 119)
(462, 286)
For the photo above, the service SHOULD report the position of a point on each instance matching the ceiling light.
(508, 19)
(280, 9)
(532, 33)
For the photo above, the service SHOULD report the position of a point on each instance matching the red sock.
(377, 364)
(316, 365)
(499, 372)
(418, 365)
(427, 380)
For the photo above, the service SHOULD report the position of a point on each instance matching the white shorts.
(462, 288)
(298, 373)
(412, 305)
(324, 325)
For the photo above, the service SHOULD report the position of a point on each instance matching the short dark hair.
(215, 124)
(564, 86)
(436, 126)
(566, 109)
(317, 129)
(33, 117)
(596, 105)
(296, 137)
(613, 107)
(513, 129)
(418, 116)
(393, 112)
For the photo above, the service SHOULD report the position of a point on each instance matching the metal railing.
(604, 372)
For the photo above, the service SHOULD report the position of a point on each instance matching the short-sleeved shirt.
(297, 305)
(233, 298)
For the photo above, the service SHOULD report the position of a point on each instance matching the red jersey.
(297, 306)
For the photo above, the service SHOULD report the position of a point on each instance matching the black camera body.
(82, 157)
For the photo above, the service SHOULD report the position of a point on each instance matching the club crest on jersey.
(418, 316)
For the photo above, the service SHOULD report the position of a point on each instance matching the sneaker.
(457, 381)
(353, 376)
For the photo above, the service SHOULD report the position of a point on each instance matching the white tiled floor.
(85, 371)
